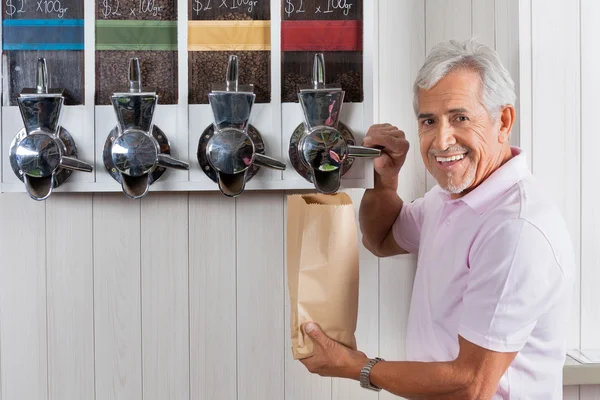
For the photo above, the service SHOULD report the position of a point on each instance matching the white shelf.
(575, 373)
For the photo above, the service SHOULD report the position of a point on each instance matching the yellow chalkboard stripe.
(229, 35)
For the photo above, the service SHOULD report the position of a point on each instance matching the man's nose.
(444, 137)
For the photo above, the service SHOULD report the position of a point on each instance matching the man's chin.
(453, 188)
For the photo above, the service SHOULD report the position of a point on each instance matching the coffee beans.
(351, 83)
(344, 68)
(341, 67)
(207, 67)
(158, 68)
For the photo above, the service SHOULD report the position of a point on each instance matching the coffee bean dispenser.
(137, 151)
(322, 149)
(231, 151)
(43, 154)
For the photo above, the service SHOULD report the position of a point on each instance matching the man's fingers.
(376, 126)
(392, 144)
(316, 334)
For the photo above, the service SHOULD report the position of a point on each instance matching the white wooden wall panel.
(507, 46)
(213, 305)
(118, 330)
(260, 296)
(24, 367)
(70, 303)
(524, 119)
(556, 140)
(483, 17)
(164, 286)
(590, 175)
(402, 26)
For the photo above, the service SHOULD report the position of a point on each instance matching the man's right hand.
(381, 205)
(394, 147)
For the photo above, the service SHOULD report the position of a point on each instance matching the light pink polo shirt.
(495, 267)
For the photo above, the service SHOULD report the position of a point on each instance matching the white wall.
(183, 296)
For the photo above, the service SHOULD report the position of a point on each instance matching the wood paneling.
(69, 259)
(507, 46)
(260, 296)
(23, 328)
(117, 299)
(590, 175)
(556, 141)
(483, 21)
(164, 293)
(213, 305)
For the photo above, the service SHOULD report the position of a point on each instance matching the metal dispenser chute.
(137, 152)
(43, 154)
(231, 151)
(322, 148)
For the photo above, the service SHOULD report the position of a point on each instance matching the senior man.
(493, 287)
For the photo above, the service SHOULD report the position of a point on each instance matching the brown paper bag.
(322, 265)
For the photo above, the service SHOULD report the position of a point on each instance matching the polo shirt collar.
(483, 196)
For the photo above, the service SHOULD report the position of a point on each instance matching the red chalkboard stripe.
(321, 35)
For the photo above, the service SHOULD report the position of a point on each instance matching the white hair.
(498, 88)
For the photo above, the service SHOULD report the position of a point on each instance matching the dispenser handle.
(269, 162)
(363, 152)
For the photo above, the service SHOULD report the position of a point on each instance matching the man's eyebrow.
(423, 116)
(458, 111)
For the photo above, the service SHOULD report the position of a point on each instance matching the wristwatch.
(365, 373)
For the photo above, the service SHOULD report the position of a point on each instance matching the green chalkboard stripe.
(136, 35)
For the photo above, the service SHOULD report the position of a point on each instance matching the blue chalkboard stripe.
(43, 36)
(43, 46)
(42, 22)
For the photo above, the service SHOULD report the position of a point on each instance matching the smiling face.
(460, 143)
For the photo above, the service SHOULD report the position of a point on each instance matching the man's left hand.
(331, 358)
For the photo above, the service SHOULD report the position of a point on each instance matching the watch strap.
(365, 375)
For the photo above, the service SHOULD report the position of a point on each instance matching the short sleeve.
(407, 227)
(513, 280)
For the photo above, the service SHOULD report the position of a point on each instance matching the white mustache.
(453, 149)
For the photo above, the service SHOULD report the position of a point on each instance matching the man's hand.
(394, 149)
(331, 358)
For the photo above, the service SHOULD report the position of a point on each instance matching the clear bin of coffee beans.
(146, 29)
(53, 30)
(206, 67)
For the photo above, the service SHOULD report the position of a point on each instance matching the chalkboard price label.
(43, 9)
(142, 9)
(229, 10)
(202, 6)
(321, 9)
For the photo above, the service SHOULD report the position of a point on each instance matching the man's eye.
(427, 122)
(462, 118)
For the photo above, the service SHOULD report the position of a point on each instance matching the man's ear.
(506, 121)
